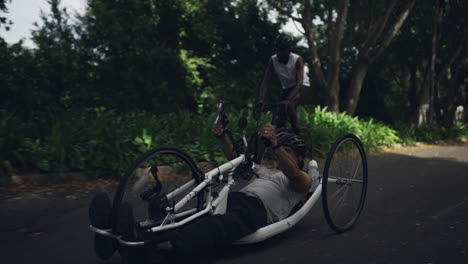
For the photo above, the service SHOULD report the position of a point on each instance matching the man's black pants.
(245, 214)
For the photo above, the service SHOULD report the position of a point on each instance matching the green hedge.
(105, 142)
(328, 126)
(430, 133)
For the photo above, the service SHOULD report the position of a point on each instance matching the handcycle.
(185, 191)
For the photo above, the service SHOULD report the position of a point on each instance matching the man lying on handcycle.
(268, 198)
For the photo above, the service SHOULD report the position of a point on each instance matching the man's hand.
(217, 130)
(225, 141)
(268, 132)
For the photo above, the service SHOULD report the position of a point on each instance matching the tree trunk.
(435, 37)
(427, 94)
(314, 58)
(374, 45)
(336, 34)
(333, 95)
(315, 62)
(449, 115)
(465, 112)
(359, 74)
(455, 94)
(412, 95)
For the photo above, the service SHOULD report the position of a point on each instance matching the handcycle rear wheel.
(344, 183)
(156, 173)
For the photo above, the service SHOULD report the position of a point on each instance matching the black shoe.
(130, 232)
(99, 217)
(127, 226)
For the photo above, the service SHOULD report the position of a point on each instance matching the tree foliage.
(172, 55)
(4, 9)
(160, 56)
(352, 35)
(100, 87)
(434, 34)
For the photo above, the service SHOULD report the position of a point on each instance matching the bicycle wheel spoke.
(355, 172)
(337, 192)
(147, 184)
(339, 201)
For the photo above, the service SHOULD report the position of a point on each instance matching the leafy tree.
(161, 56)
(17, 89)
(133, 49)
(449, 41)
(361, 30)
(14, 71)
(3, 20)
(232, 42)
(424, 66)
(56, 76)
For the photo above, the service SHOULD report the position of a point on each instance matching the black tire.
(132, 185)
(347, 150)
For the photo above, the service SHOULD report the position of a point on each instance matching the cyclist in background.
(289, 67)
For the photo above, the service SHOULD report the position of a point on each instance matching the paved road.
(416, 212)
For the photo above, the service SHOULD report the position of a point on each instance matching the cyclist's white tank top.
(287, 72)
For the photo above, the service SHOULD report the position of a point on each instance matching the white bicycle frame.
(216, 205)
(212, 206)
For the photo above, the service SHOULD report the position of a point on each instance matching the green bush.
(430, 133)
(95, 140)
(12, 130)
(328, 126)
(105, 142)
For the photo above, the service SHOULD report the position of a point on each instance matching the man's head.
(293, 144)
(283, 48)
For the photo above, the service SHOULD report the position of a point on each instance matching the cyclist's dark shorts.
(285, 93)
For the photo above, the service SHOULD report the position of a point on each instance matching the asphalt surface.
(416, 212)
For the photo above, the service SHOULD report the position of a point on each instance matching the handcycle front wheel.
(344, 183)
(158, 174)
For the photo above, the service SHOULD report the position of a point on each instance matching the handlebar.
(221, 116)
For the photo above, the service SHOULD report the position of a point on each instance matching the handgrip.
(156, 188)
(222, 116)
